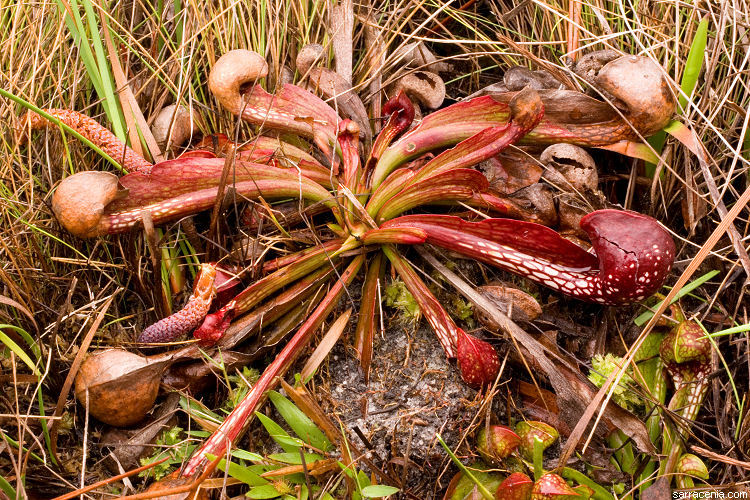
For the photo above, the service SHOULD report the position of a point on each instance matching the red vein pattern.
(633, 252)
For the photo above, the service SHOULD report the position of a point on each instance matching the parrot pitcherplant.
(366, 198)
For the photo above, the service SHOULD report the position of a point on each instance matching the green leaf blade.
(694, 63)
(299, 422)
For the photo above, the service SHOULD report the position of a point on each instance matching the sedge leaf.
(7, 488)
(299, 422)
(282, 438)
(247, 455)
(378, 491)
(261, 492)
(694, 63)
(643, 318)
(10, 344)
(690, 75)
(240, 473)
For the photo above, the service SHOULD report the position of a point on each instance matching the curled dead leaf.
(511, 170)
(518, 78)
(540, 200)
(571, 210)
(570, 168)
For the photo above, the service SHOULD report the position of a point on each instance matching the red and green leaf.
(395, 236)
(388, 189)
(441, 129)
(260, 150)
(116, 220)
(199, 174)
(329, 247)
(469, 152)
(523, 112)
(448, 186)
(488, 239)
(438, 318)
(216, 323)
(233, 425)
(294, 110)
(369, 313)
(400, 113)
(278, 306)
(348, 139)
(633, 149)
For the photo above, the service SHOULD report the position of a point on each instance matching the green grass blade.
(10, 344)
(29, 340)
(110, 101)
(730, 331)
(75, 26)
(45, 427)
(657, 142)
(738, 400)
(6, 488)
(4, 437)
(40, 396)
(643, 318)
(94, 59)
(299, 422)
(480, 487)
(694, 63)
(600, 493)
(690, 75)
(180, 20)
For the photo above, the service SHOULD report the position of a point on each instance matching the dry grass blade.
(12, 303)
(68, 384)
(375, 57)
(325, 345)
(110, 480)
(720, 458)
(342, 27)
(132, 110)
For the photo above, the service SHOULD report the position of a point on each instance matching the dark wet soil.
(414, 394)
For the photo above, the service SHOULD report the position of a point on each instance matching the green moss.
(463, 310)
(399, 297)
(602, 367)
(172, 444)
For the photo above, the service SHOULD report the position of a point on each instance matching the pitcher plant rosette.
(379, 201)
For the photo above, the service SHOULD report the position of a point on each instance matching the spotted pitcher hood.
(635, 253)
(632, 252)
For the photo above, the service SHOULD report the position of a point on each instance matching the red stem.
(234, 424)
